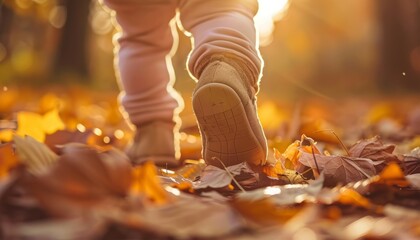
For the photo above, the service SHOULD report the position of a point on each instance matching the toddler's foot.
(227, 118)
(156, 142)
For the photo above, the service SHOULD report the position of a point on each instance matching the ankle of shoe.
(248, 73)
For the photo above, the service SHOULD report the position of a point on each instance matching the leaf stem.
(230, 174)
(336, 136)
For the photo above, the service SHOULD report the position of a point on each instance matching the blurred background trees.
(329, 47)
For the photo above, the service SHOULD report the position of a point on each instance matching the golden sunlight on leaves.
(146, 183)
(37, 126)
(8, 159)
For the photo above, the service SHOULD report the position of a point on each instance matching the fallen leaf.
(284, 195)
(264, 211)
(392, 175)
(8, 159)
(37, 126)
(84, 227)
(61, 137)
(81, 179)
(190, 217)
(375, 150)
(351, 197)
(146, 183)
(214, 177)
(340, 169)
(414, 180)
(411, 162)
(35, 155)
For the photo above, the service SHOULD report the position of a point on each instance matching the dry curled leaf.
(37, 157)
(55, 140)
(375, 150)
(214, 177)
(340, 169)
(411, 162)
(81, 178)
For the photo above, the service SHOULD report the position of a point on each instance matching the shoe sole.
(229, 133)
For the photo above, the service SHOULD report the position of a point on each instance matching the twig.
(230, 174)
(309, 142)
(339, 140)
(316, 162)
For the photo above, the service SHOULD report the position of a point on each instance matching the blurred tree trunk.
(72, 52)
(399, 45)
(6, 19)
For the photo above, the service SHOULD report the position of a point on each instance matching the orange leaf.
(145, 182)
(8, 159)
(392, 171)
(393, 175)
(264, 211)
(292, 152)
(351, 197)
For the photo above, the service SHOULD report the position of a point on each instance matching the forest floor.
(337, 169)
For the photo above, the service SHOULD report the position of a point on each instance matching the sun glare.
(269, 12)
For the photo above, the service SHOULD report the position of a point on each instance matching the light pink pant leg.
(143, 66)
(222, 27)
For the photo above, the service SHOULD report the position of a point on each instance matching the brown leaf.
(61, 137)
(81, 178)
(340, 169)
(373, 149)
(411, 162)
(36, 156)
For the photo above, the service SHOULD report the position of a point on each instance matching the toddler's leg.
(145, 72)
(227, 64)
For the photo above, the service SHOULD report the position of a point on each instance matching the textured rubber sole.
(228, 133)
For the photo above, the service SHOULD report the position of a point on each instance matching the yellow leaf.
(145, 182)
(30, 124)
(36, 126)
(52, 122)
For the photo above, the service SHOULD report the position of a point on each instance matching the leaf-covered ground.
(342, 169)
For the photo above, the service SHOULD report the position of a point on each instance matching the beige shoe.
(155, 141)
(225, 108)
